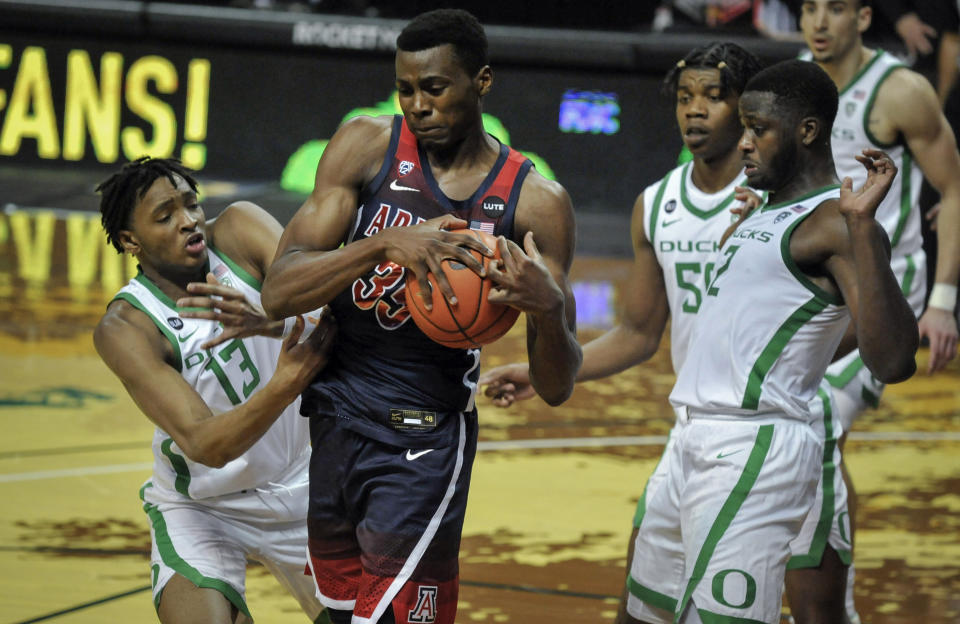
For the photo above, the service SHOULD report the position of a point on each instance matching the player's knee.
(340, 617)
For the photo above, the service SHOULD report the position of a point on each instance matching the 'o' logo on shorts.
(744, 586)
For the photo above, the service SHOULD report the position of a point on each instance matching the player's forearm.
(948, 238)
(886, 326)
(302, 281)
(219, 439)
(616, 351)
(554, 353)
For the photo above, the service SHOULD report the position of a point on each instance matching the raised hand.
(421, 248)
(226, 305)
(507, 384)
(880, 174)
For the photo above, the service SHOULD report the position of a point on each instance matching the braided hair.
(736, 65)
(120, 192)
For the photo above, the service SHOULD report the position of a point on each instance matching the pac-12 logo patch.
(780, 217)
(175, 322)
(494, 207)
(405, 167)
(426, 609)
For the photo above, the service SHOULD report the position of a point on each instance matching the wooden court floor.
(552, 496)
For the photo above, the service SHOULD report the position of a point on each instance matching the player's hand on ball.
(421, 248)
(522, 280)
(507, 384)
(228, 306)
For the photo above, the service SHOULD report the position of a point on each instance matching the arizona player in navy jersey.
(393, 421)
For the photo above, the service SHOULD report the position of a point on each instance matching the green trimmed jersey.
(899, 213)
(225, 377)
(684, 225)
(765, 333)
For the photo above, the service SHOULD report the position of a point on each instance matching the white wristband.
(943, 297)
(288, 324)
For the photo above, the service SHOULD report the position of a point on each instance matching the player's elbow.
(895, 371)
(272, 301)
(209, 455)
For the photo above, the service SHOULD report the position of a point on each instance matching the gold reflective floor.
(552, 496)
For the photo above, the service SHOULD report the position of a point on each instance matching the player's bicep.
(926, 131)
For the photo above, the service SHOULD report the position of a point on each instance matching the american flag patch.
(483, 226)
(859, 94)
(219, 271)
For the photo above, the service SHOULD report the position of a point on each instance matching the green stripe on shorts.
(731, 506)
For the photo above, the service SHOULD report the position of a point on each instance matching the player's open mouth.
(195, 243)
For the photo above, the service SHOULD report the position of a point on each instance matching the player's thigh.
(414, 503)
(750, 486)
(193, 543)
(656, 569)
(182, 602)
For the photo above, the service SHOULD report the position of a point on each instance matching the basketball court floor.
(553, 489)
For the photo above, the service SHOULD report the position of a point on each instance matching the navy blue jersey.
(387, 380)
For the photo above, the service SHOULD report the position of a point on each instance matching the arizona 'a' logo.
(426, 609)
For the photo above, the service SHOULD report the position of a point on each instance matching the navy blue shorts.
(385, 522)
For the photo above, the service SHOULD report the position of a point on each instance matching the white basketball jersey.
(765, 332)
(224, 376)
(684, 225)
(899, 214)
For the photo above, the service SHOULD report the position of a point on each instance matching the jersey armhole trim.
(132, 300)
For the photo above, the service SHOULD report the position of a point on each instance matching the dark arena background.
(248, 97)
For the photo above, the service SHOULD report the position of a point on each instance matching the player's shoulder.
(902, 88)
(538, 190)
(122, 323)
(366, 128)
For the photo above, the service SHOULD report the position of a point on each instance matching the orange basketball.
(473, 321)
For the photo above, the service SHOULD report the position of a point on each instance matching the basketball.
(473, 321)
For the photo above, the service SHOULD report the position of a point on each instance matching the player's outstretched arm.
(634, 339)
(909, 100)
(130, 344)
(311, 267)
(534, 280)
(886, 327)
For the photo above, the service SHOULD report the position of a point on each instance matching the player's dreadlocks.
(736, 65)
(121, 191)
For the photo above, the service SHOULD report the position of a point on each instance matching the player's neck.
(843, 70)
(477, 149)
(714, 174)
(806, 178)
(172, 281)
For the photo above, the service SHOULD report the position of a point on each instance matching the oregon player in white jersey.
(676, 227)
(742, 470)
(230, 450)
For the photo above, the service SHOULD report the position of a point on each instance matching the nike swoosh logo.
(183, 339)
(412, 456)
(721, 455)
(398, 187)
(669, 223)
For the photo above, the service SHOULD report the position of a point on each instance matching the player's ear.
(810, 129)
(483, 80)
(864, 18)
(128, 240)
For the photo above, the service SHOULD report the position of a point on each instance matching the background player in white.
(885, 105)
(675, 245)
(230, 449)
(741, 472)
(676, 227)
